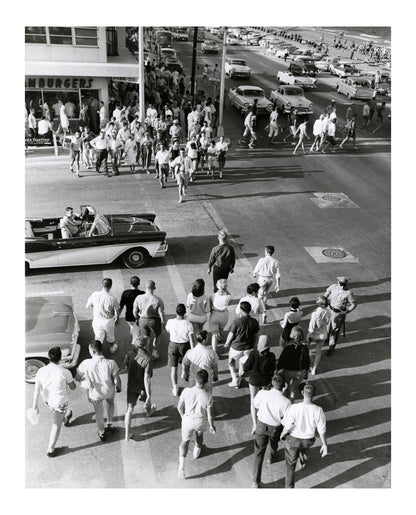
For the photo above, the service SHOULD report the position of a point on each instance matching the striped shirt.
(104, 305)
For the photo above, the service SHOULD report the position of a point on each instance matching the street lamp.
(220, 130)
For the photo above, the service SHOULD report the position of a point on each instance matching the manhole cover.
(331, 198)
(334, 253)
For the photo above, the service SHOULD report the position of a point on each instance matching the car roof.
(252, 88)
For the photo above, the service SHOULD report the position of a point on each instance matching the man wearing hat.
(341, 301)
(222, 259)
(272, 406)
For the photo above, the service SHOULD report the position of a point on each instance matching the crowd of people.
(196, 342)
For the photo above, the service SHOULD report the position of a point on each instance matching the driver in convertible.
(70, 223)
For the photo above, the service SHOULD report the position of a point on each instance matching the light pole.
(141, 76)
(220, 130)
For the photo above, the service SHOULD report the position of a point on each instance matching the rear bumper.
(161, 251)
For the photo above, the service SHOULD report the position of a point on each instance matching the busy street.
(122, 191)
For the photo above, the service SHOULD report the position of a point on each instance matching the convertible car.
(101, 239)
(50, 321)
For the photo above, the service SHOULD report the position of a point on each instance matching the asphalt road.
(267, 196)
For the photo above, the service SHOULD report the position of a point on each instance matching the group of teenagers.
(195, 337)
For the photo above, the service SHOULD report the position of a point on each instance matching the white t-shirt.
(305, 418)
(257, 306)
(272, 406)
(54, 380)
(196, 401)
(201, 357)
(179, 330)
(163, 157)
(99, 376)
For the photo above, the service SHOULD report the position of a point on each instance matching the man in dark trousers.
(222, 259)
(127, 300)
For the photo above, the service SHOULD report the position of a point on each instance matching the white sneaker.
(233, 384)
(197, 451)
(113, 348)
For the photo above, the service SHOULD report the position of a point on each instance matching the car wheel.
(32, 365)
(135, 258)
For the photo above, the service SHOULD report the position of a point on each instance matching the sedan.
(243, 98)
(50, 321)
(356, 87)
(209, 46)
(101, 239)
(286, 97)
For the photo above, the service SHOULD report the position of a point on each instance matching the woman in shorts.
(198, 305)
(219, 311)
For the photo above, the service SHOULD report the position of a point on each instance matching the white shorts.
(191, 425)
(239, 357)
(104, 327)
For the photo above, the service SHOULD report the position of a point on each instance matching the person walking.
(138, 364)
(87, 148)
(64, 121)
(350, 128)
(366, 116)
(195, 407)
(182, 338)
(242, 338)
(146, 148)
(260, 367)
(222, 149)
(330, 136)
(202, 356)
(100, 379)
(105, 314)
(205, 74)
(266, 270)
(300, 425)
(100, 145)
(218, 317)
(302, 134)
(222, 259)
(52, 382)
(257, 305)
(127, 301)
(341, 301)
(198, 305)
(162, 157)
(273, 126)
(318, 329)
(75, 151)
(130, 151)
(290, 320)
(317, 132)
(211, 158)
(115, 147)
(148, 309)
(271, 408)
(293, 120)
(32, 123)
(294, 362)
(379, 116)
(181, 166)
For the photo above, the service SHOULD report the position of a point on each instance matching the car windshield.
(168, 51)
(361, 83)
(253, 93)
(308, 61)
(293, 92)
(240, 62)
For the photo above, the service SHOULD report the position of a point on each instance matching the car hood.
(239, 68)
(131, 224)
(49, 322)
(297, 101)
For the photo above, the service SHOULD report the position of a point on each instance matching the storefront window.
(35, 35)
(60, 35)
(81, 36)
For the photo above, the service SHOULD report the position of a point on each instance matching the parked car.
(237, 68)
(169, 55)
(286, 97)
(300, 51)
(101, 240)
(357, 88)
(50, 322)
(343, 69)
(383, 83)
(232, 40)
(209, 47)
(308, 64)
(242, 97)
(324, 63)
(286, 77)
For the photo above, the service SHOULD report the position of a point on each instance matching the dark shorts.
(133, 397)
(176, 352)
(154, 324)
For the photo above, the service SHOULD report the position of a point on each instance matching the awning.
(71, 69)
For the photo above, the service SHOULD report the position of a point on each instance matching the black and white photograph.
(208, 269)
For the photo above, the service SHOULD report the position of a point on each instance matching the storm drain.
(331, 254)
(334, 200)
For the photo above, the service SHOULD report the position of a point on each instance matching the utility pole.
(194, 63)
(220, 130)
(141, 75)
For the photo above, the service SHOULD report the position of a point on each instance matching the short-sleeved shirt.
(338, 297)
(104, 305)
(101, 373)
(179, 330)
(196, 401)
(267, 267)
(200, 358)
(272, 406)
(305, 419)
(244, 330)
(148, 306)
(54, 380)
(257, 306)
(127, 299)
(137, 363)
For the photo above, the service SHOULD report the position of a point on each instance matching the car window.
(253, 93)
(102, 226)
(293, 92)
(239, 62)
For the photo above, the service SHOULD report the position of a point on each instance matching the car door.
(82, 251)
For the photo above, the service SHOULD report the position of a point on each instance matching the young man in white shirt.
(181, 333)
(100, 379)
(200, 357)
(162, 157)
(273, 127)
(44, 128)
(52, 382)
(195, 407)
(300, 425)
(105, 314)
(271, 407)
(266, 270)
